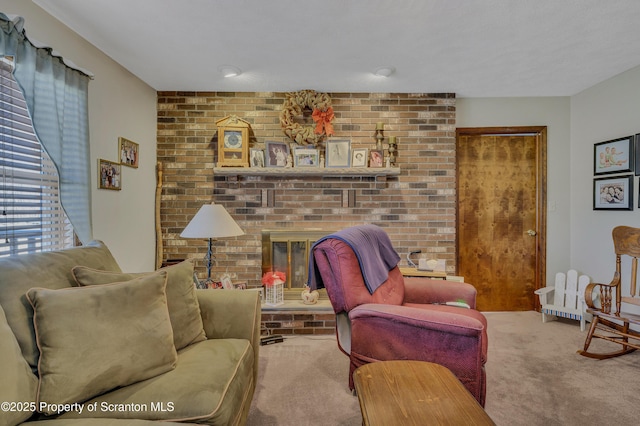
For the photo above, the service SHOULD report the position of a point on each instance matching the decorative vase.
(309, 297)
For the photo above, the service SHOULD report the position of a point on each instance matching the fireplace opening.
(288, 251)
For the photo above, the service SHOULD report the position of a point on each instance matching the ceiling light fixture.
(384, 71)
(229, 71)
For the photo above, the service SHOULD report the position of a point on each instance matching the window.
(31, 217)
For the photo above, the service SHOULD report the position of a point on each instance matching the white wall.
(606, 111)
(119, 105)
(553, 112)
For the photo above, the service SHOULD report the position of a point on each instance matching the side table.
(414, 393)
(415, 272)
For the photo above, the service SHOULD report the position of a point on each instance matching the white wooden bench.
(568, 298)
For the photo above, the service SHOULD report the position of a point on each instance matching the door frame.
(541, 191)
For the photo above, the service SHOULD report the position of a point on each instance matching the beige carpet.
(534, 377)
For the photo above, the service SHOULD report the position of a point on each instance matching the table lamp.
(212, 221)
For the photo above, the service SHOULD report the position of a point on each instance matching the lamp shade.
(212, 221)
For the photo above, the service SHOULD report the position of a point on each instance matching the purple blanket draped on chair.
(373, 249)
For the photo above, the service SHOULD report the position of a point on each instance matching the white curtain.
(57, 99)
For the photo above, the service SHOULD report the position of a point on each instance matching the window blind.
(32, 218)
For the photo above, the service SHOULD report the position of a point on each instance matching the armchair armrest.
(543, 293)
(592, 295)
(425, 290)
(387, 332)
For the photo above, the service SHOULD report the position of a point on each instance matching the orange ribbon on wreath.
(323, 121)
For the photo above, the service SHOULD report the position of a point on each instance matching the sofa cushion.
(48, 270)
(184, 310)
(19, 384)
(94, 339)
(101, 422)
(211, 380)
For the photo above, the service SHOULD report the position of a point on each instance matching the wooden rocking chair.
(615, 326)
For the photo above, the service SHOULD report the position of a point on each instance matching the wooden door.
(501, 207)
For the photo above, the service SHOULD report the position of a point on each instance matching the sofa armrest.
(232, 314)
(426, 290)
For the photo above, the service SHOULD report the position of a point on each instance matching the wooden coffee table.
(414, 393)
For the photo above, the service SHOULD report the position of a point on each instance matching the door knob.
(532, 233)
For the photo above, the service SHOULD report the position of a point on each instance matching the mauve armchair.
(404, 318)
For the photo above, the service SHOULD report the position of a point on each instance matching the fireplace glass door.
(288, 252)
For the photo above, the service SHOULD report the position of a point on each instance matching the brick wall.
(417, 208)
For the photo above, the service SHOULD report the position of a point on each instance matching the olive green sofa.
(82, 343)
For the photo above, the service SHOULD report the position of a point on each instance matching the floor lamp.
(212, 221)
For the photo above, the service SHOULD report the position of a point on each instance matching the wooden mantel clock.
(233, 142)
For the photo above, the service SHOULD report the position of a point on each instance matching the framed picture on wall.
(129, 152)
(637, 153)
(614, 156)
(615, 193)
(109, 175)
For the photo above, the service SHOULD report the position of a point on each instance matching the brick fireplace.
(417, 207)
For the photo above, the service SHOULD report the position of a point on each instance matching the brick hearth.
(294, 317)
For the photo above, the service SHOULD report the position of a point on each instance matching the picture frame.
(240, 286)
(613, 193)
(637, 154)
(225, 279)
(128, 152)
(338, 153)
(109, 175)
(359, 157)
(277, 154)
(614, 156)
(257, 158)
(306, 157)
(376, 158)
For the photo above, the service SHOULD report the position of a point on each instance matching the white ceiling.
(474, 48)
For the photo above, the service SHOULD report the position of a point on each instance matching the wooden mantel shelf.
(302, 171)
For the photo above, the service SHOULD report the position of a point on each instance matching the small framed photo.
(306, 157)
(277, 153)
(338, 153)
(240, 286)
(376, 158)
(359, 157)
(225, 279)
(257, 157)
(614, 156)
(613, 193)
(109, 175)
(129, 152)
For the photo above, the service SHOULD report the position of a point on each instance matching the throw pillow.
(94, 339)
(19, 384)
(184, 309)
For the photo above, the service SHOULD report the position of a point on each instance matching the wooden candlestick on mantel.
(393, 150)
(379, 136)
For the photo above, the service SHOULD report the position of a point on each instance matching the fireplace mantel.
(311, 171)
